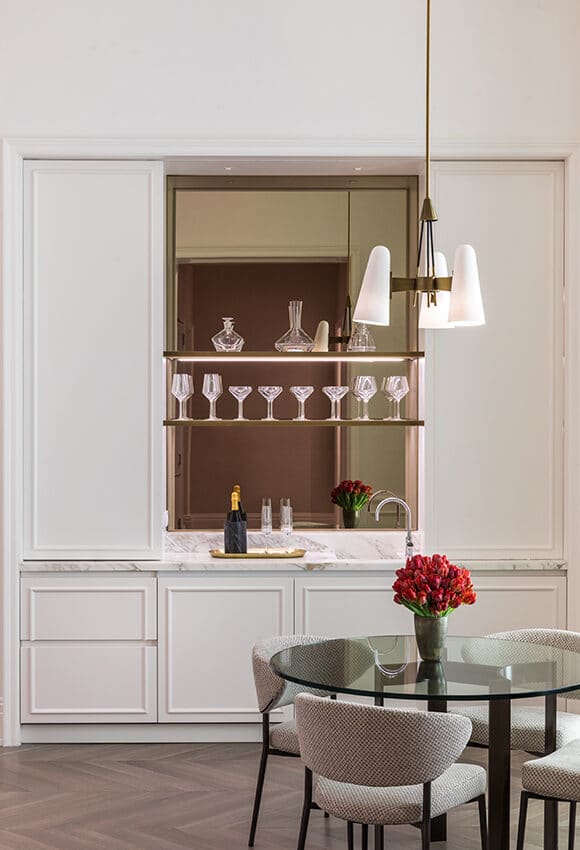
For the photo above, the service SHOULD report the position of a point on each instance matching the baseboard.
(141, 733)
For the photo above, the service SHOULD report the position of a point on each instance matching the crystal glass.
(182, 389)
(266, 525)
(387, 394)
(286, 520)
(240, 393)
(335, 394)
(365, 389)
(361, 339)
(227, 339)
(301, 394)
(398, 387)
(295, 339)
(352, 388)
(270, 393)
(212, 390)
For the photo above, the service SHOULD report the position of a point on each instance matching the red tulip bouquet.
(351, 495)
(432, 587)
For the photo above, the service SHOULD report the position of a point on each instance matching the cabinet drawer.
(88, 683)
(88, 608)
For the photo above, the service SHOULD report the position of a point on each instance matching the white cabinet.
(93, 324)
(207, 627)
(89, 651)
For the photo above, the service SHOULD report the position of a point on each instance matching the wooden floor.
(165, 797)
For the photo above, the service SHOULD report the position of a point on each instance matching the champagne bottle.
(238, 490)
(235, 529)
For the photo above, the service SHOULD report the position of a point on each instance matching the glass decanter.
(361, 339)
(227, 339)
(295, 339)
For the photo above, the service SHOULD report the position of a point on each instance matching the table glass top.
(472, 668)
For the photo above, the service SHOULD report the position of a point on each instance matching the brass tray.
(260, 553)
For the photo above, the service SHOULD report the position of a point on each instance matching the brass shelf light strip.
(292, 423)
(281, 357)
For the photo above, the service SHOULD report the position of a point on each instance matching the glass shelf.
(293, 423)
(281, 357)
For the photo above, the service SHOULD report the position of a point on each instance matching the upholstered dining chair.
(528, 722)
(384, 766)
(553, 777)
(280, 739)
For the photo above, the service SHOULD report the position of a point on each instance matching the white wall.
(502, 69)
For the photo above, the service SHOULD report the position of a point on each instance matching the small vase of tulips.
(351, 496)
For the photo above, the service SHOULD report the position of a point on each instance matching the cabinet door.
(93, 318)
(207, 628)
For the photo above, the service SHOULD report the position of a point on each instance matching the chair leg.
(305, 809)
(261, 777)
(379, 838)
(364, 827)
(426, 820)
(482, 821)
(350, 835)
(326, 815)
(522, 821)
(572, 827)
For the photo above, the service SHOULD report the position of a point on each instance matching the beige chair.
(384, 767)
(528, 722)
(553, 777)
(280, 739)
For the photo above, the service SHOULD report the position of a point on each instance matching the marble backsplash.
(334, 545)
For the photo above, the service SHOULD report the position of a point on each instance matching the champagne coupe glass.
(270, 393)
(182, 389)
(212, 390)
(266, 520)
(352, 387)
(398, 387)
(286, 520)
(240, 393)
(366, 388)
(387, 394)
(301, 394)
(335, 394)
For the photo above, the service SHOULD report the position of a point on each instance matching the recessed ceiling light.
(358, 168)
(227, 168)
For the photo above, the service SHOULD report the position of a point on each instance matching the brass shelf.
(289, 357)
(293, 423)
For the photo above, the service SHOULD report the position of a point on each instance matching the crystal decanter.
(227, 339)
(295, 339)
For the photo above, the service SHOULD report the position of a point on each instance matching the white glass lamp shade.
(373, 305)
(466, 306)
(436, 316)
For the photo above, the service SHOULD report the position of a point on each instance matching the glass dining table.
(479, 669)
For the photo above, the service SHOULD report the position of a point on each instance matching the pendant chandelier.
(446, 301)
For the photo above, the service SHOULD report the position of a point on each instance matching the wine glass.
(286, 520)
(266, 520)
(335, 394)
(387, 394)
(301, 394)
(399, 387)
(353, 390)
(182, 389)
(240, 393)
(365, 389)
(212, 390)
(270, 393)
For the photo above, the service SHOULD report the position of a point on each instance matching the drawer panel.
(89, 683)
(88, 608)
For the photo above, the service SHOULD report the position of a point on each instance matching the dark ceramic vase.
(350, 519)
(431, 634)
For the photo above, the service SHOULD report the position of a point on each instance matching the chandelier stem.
(428, 103)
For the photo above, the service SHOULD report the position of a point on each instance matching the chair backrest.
(381, 747)
(271, 690)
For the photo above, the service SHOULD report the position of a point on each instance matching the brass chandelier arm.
(421, 284)
(428, 109)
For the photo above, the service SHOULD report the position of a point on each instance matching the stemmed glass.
(240, 393)
(365, 389)
(182, 389)
(270, 393)
(398, 387)
(387, 394)
(301, 394)
(286, 520)
(335, 394)
(266, 520)
(212, 390)
(352, 388)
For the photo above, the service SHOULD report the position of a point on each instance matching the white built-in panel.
(206, 632)
(85, 607)
(88, 683)
(494, 394)
(93, 319)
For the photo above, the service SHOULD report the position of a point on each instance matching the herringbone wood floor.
(170, 797)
